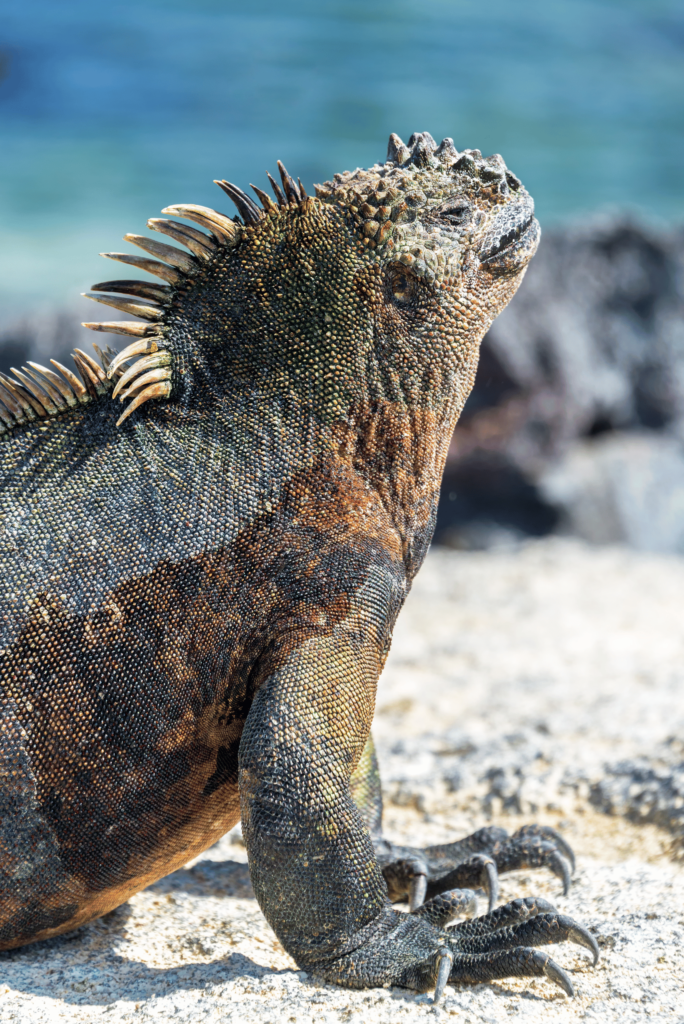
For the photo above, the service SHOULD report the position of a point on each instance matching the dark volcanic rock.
(41, 337)
(647, 790)
(589, 355)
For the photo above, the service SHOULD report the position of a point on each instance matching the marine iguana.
(198, 594)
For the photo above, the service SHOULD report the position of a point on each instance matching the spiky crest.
(143, 369)
(377, 201)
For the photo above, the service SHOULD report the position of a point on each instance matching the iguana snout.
(512, 237)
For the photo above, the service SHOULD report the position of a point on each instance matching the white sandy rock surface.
(522, 685)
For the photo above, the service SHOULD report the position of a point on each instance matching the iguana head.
(442, 216)
(378, 288)
(448, 236)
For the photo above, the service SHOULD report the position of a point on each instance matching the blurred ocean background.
(109, 112)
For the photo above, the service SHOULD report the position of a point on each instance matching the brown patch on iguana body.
(141, 774)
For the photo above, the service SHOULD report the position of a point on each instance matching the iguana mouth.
(514, 233)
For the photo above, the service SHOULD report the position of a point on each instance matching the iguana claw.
(417, 891)
(445, 959)
(558, 975)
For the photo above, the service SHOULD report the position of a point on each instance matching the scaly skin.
(197, 603)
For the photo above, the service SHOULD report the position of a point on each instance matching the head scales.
(401, 207)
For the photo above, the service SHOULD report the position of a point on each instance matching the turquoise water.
(110, 111)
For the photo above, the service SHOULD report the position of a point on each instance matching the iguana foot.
(473, 862)
(524, 922)
(500, 941)
(417, 951)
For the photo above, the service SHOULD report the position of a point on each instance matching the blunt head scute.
(397, 152)
(446, 152)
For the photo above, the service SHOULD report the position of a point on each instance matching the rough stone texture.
(626, 487)
(515, 678)
(647, 790)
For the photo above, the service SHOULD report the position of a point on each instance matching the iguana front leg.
(311, 856)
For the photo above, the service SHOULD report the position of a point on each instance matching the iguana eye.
(403, 287)
(457, 213)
